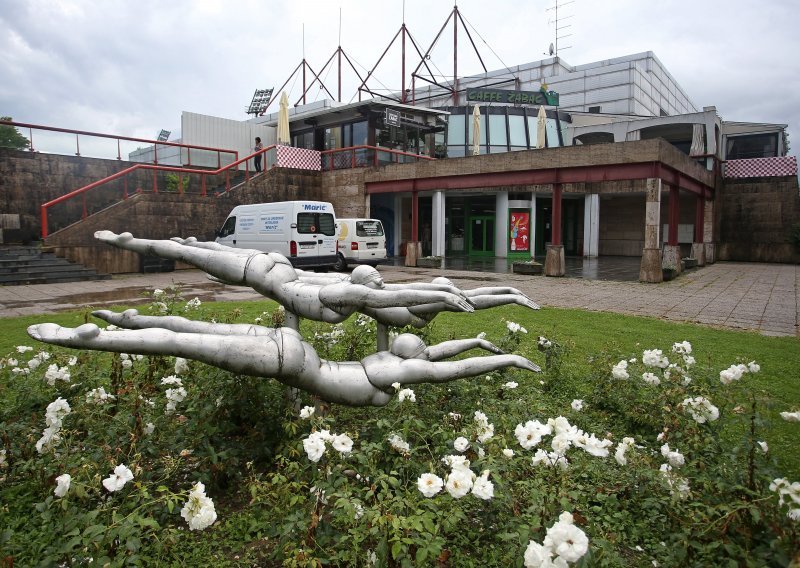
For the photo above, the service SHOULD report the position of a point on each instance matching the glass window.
(360, 133)
(228, 228)
(516, 130)
(333, 138)
(456, 129)
(456, 151)
(369, 229)
(304, 140)
(316, 223)
(752, 146)
(552, 133)
(498, 135)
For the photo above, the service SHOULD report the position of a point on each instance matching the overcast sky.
(130, 68)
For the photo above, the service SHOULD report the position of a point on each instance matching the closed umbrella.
(283, 120)
(476, 131)
(541, 132)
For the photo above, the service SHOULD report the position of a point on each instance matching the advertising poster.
(519, 231)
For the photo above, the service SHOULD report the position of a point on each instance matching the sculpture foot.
(53, 333)
(112, 238)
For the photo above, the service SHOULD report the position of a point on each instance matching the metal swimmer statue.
(281, 353)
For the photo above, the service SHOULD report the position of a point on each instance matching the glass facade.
(503, 129)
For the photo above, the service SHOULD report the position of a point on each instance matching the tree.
(10, 137)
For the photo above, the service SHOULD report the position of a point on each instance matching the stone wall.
(29, 179)
(755, 217)
(345, 190)
(166, 215)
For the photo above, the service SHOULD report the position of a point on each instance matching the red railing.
(155, 143)
(365, 156)
(155, 169)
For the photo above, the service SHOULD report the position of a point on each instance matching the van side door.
(316, 234)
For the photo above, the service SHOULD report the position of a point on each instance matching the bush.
(634, 452)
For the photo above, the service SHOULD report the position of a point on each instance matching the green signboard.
(548, 98)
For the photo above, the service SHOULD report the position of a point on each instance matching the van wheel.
(341, 263)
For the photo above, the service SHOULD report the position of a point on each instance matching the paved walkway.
(761, 297)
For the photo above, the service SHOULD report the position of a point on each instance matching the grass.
(585, 334)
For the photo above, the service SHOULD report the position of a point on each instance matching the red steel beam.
(582, 174)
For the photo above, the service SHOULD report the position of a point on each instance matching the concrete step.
(29, 265)
(61, 277)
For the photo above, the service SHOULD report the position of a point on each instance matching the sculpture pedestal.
(650, 269)
(413, 252)
(699, 253)
(554, 264)
(672, 257)
(710, 252)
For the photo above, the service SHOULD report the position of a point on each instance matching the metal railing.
(366, 156)
(125, 174)
(155, 143)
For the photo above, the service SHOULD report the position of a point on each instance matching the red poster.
(520, 231)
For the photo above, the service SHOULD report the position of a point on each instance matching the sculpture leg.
(131, 319)
(276, 357)
(227, 266)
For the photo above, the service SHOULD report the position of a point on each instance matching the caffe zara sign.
(547, 98)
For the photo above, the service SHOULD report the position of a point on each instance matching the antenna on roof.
(557, 20)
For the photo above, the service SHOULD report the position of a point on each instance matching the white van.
(302, 231)
(361, 241)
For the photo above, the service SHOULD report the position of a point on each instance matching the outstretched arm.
(483, 302)
(416, 371)
(345, 294)
(452, 348)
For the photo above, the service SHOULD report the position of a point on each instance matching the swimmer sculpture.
(281, 353)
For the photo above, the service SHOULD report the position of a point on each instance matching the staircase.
(29, 265)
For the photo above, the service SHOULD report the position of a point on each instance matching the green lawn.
(586, 334)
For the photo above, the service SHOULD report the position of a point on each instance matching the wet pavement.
(750, 296)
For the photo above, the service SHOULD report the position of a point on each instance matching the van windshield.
(316, 223)
(228, 228)
(369, 229)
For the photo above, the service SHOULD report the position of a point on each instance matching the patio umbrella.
(541, 133)
(283, 120)
(476, 131)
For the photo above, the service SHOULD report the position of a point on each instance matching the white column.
(501, 224)
(591, 225)
(438, 239)
(398, 221)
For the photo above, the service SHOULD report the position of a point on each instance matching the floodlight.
(260, 101)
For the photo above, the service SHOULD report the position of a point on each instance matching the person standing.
(259, 146)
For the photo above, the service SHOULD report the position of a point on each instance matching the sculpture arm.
(426, 286)
(452, 348)
(347, 294)
(493, 300)
(416, 371)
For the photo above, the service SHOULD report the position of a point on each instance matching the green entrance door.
(481, 236)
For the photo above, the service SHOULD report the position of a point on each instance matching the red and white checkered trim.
(298, 158)
(761, 167)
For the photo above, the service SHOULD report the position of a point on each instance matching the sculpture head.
(366, 276)
(408, 346)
